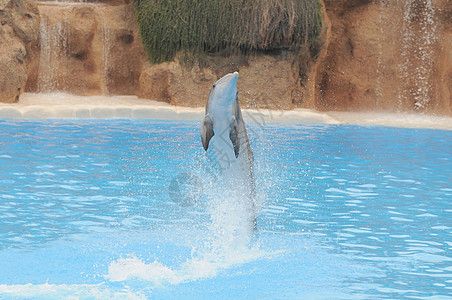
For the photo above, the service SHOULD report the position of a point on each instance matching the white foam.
(66, 291)
(207, 265)
(132, 267)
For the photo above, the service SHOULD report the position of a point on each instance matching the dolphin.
(223, 121)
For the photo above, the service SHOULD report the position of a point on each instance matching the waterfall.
(407, 35)
(379, 90)
(417, 52)
(53, 39)
(106, 49)
(75, 48)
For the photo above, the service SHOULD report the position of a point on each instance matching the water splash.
(227, 243)
(226, 240)
(204, 266)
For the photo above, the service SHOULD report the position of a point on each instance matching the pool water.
(135, 209)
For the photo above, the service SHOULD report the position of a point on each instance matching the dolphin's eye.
(214, 85)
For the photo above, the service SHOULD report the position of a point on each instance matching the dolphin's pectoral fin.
(234, 136)
(206, 131)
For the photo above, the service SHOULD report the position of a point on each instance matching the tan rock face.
(175, 84)
(265, 81)
(125, 54)
(387, 55)
(19, 25)
(88, 49)
(269, 82)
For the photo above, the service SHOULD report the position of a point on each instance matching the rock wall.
(88, 49)
(388, 56)
(19, 29)
(95, 48)
(266, 81)
(372, 55)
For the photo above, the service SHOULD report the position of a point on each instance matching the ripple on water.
(373, 202)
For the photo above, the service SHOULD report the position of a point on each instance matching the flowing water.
(58, 37)
(53, 41)
(417, 51)
(136, 209)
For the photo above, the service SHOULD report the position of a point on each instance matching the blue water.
(133, 209)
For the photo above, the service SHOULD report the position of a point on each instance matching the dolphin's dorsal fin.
(206, 131)
(234, 136)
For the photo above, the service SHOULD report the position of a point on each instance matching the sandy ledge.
(64, 106)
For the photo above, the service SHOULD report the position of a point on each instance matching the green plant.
(197, 27)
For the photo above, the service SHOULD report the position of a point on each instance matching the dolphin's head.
(224, 91)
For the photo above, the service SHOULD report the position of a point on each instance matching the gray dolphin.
(223, 119)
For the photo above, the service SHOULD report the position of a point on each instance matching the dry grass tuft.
(211, 26)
